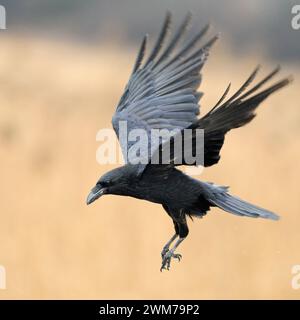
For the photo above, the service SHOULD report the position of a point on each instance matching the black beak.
(94, 195)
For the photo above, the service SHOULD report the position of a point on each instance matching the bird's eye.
(104, 183)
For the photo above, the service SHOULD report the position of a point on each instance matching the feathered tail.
(219, 197)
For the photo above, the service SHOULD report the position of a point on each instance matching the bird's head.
(116, 181)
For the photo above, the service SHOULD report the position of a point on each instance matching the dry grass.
(53, 100)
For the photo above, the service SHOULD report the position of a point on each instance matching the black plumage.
(162, 94)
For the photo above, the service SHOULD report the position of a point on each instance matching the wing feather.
(235, 112)
(162, 92)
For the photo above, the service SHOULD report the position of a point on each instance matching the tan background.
(54, 97)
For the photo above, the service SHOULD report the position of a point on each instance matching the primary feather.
(162, 92)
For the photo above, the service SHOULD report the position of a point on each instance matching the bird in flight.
(162, 93)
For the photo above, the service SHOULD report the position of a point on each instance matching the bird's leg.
(166, 261)
(167, 245)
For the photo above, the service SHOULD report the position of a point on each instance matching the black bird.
(162, 94)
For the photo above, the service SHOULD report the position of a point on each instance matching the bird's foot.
(165, 250)
(166, 259)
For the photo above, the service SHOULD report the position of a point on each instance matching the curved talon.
(163, 268)
(177, 256)
(166, 259)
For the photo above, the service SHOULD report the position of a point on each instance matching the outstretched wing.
(237, 111)
(162, 92)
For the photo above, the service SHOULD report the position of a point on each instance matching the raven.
(162, 94)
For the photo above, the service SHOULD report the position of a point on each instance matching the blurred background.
(63, 67)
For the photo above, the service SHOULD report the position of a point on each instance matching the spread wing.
(162, 91)
(237, 111)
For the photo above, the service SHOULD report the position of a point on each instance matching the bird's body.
(160, 186)
(162, 94)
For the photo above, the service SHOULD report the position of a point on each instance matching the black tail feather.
(219, 197)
